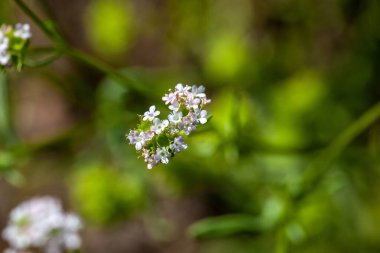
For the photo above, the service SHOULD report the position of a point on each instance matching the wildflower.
(41, 223)
(3, 42)
(22, 31)
(4, 58)
(175, 106)
(136, 138)
(151, 114)
(203, 117)
(192, 103)
(148, 135)
(188, 125)
(158, 125)
(165, 137)
(13, 42)
(170, 98)
(175, 117)
(182, 90)
(163, 155)
(178, 144)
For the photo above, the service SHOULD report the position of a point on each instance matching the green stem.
(282, 243)
(45, 62)
(5, 113)
(318, 168)
(49, 32)
(78, 54)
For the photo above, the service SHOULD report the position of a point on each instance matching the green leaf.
(225, 225)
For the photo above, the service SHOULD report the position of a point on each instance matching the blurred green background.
(277, 168)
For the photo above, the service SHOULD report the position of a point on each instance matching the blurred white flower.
(4, 58)
(41, 223)
(22, 31)
(203, 117)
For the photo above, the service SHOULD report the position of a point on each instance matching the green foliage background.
(290, 161)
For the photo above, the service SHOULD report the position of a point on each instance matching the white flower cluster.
(157, 140)
(41, 223)
(12, 41)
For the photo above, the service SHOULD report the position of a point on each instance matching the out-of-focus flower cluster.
(40, 223)
(157, 140)
(13, 41)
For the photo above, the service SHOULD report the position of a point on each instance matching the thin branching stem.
(318, 168)
(77, 54)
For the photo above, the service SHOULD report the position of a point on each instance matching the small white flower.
(182, 90)
(151, 114)
(148, 135)
(159, 126)
(203, 117)
(22, 31)
(140, 141)
(178, 144)
(132, 136)
(163, 154)
(188, 123)
(136, 138)
(71, 241)
(175, 106)
(153, 160)
(170, 98)
(175, 117)
(4, 58)
(72, 222)
(192, 103)
(198, 91)
(4, 42)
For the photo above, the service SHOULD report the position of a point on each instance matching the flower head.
(41, 223)
(166, 137)
(13, 41)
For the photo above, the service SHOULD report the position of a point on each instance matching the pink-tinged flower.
(182, 90)
(170, 98)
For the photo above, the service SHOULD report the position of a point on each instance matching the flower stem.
(318, 168)
(49, 32)
(282, 243)
(77, 54)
